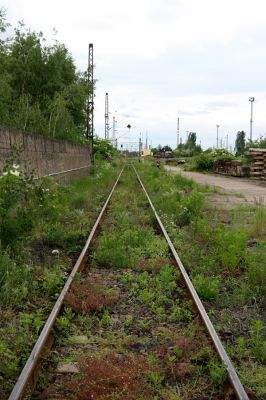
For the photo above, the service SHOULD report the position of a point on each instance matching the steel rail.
(66, 171)
(233, 377)
(28, 369)
(62, 172)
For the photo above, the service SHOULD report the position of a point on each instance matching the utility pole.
(106, 117)
(90, 105)
(177, 138)
(227, 142)
(251, 99)
(146, 143)
(217, 136)
(113, 139)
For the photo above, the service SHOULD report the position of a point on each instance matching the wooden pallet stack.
(258, 168)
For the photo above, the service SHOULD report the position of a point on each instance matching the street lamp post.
(217, 137)
(251, 99)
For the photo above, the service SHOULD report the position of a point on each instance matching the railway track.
(147, 327)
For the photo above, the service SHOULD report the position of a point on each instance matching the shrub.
(203, 162)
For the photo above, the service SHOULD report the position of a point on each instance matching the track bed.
(129, 329)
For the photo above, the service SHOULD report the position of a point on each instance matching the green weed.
(258, 341)
(52, 280)
(218, 372)
(207, 287)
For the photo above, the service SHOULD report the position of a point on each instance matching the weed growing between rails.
(142, 339)
(50, 224)
(226, 262)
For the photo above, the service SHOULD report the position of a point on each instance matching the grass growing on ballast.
(148, 343)
(43, 226)
(226, 262)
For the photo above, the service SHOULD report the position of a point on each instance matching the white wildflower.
(15, 173)
(55, 252)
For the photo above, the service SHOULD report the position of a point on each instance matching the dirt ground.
(232, 191)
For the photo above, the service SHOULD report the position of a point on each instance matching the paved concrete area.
(235, 190)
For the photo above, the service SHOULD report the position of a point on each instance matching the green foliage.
(203, 162)
(17, 206)
(106, 320)
(259, 224)
(63, 323)
(258, 340)
(156, 379)
(40, 89)
(207, 287)
(104, 149)
(258, 144)
(221, 155)
(17, 338)
(15, 281)
(240, 143)
(218, 372)
(180, 314)
(190, 148)
(231, 246)
(52, 280)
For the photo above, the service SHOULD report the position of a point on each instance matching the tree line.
(41, 90)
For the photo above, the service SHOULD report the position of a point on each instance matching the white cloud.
(161, 58)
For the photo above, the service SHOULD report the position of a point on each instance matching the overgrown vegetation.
(148, 344)
(43, 225)
(226, 263)
(41, 90)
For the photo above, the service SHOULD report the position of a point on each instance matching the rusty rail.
(232, 375)
(32, 361)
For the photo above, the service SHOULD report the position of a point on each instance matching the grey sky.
(160, 59)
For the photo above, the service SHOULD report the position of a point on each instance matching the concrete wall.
(41, 154)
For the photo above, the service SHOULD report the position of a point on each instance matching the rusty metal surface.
(28, 369)
(233, 377)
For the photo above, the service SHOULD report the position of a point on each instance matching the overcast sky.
(199, 60)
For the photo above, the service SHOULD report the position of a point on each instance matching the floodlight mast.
(177, 133)
(106, 117)
(251, 99)
(217, 136)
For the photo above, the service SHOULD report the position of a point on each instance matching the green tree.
(191, 140)
(240, 143)
(103, 148)
(40, 89)
(166, 148)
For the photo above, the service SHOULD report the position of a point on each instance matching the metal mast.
(217, 136)
(90, 106)
(251, 99)
(113, 130)
(177, 139)
(106, 117)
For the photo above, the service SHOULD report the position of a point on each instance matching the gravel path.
(237, 190)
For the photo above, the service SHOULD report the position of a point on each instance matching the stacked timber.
(258, 168)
